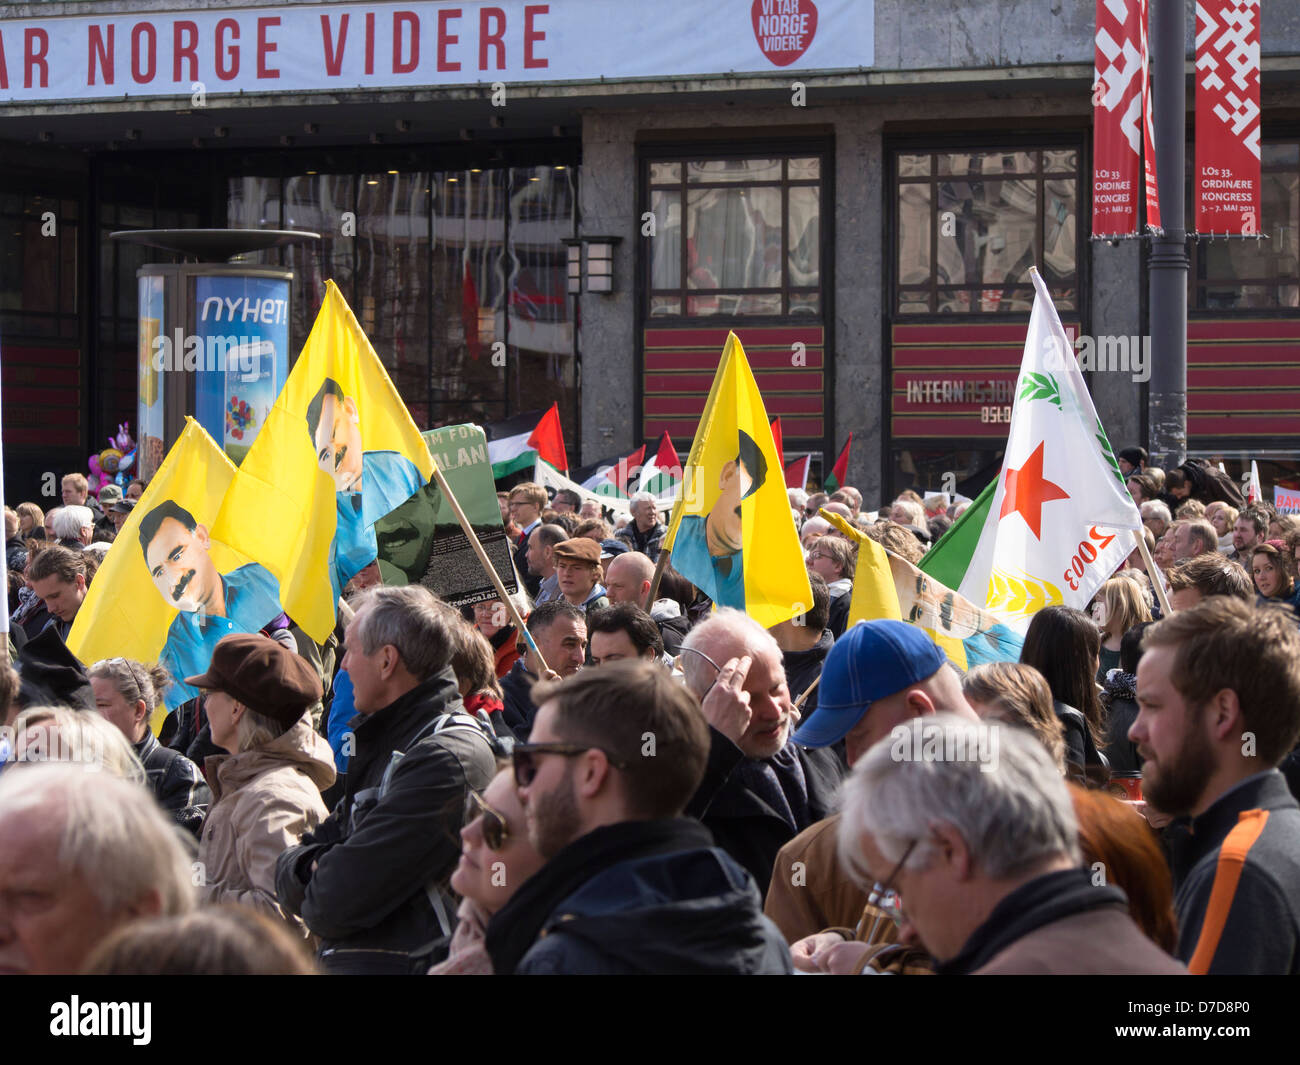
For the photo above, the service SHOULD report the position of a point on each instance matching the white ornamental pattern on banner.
(1229, 47)
(1119, 70)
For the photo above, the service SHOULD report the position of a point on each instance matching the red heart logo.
(784, 28)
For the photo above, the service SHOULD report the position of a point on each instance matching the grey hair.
(797, 496)
(414, 621)
(642, 497)
(1013, 816)
(1154, 508)
(113, 832)
(88, 740)
(816, 525)
(726, 633)
(70, 520)
(914, 511)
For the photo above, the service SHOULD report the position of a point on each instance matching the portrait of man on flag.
(715, 540)
(365, 482)
(210, 604)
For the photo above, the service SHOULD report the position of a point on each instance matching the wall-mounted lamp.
(598, 268)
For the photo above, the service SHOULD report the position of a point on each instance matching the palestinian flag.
(796, 474)
(838, 477)
(508, 444)
(661, 475)
(606, 478)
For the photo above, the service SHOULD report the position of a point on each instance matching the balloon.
(109, 460)
(126, 462)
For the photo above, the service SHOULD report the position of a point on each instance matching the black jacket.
(673, 631)
(518, 708)
(648, 543)
(804, 667)
(383, 847)
(637, 897)
(839, 619)
(1120, 700)
(530, 580)
(1258, 929)
(751, 820)
(1083, 762)
(176, 782)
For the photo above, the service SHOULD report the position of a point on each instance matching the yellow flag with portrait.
(732, 534)
(337, 452)
(170, 588)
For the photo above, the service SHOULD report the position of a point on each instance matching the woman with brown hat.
(267, 791)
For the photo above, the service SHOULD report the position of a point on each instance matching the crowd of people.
(610, 774)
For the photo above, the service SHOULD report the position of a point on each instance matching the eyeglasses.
(884, 897)
(495, 834)
(524, 758)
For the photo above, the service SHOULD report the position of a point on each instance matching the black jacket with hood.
(638, 897)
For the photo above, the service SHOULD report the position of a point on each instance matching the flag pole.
(488, 568)
(798, 703)
(1158, 584)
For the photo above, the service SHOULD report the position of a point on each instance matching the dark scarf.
(1031, 906)
(515, 927)
(1119, 685)
(779, 782)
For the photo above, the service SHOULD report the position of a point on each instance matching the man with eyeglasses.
(760, 788)
(629, 884)
(525, 505)
(972, 828)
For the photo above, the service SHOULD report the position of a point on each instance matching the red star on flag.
(1027, 491)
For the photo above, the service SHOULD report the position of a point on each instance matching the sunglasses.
(524, 758)
(495, 834)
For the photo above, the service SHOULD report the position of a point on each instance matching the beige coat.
(263, 800)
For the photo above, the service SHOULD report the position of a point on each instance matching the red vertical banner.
(1148, 135)
(1227, 116)
(1117, 119)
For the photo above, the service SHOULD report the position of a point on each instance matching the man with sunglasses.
(972, 827)
(629, 885)
(369, 881)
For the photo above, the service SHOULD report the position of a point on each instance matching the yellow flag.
(168, 589)
(338, 451)
(886, 586)
(731, 533)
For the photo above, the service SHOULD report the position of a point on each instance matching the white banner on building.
(339, 46)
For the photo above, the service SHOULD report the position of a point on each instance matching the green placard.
(421, 542)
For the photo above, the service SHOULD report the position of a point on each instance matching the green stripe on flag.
(523, 461)
(949, 559)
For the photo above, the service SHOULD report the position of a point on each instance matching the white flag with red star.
(1061, 520)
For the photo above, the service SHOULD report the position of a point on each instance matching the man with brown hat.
(577, 570)
(267, 789)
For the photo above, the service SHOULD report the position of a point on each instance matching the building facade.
(857, 188)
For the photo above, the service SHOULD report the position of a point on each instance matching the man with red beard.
(1218, 688)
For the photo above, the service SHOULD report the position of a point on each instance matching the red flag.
(776, 438)
(796, 474)
(469, 312)
(620, 471)
(1148, 136)
(666, 459)
(1118, 80)
(837, 478)
(548, 440)
(1227, 116)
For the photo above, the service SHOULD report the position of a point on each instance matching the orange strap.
(1232, 857)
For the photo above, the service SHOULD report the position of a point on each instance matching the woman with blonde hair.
(1017, 695)
(1223, 518)
(1119, 606)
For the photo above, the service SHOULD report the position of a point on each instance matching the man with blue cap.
(880, 674)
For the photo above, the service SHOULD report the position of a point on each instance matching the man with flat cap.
(266, 791)
(879, 674)
(578, 573)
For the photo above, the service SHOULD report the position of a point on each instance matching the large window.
(735, 236)
(970, 223)
(1250, 274)
(457, 275)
